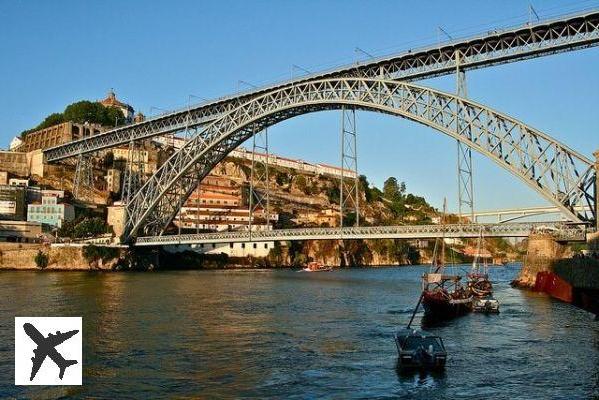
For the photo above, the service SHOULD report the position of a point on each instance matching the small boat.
(418, 349)
(486, 305)
(479, 284)
(315, 266)
(443, 296)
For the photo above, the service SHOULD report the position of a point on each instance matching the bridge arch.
(560, 175)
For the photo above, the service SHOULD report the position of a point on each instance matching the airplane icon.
(46, 347)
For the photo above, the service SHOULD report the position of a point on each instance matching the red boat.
(443, 296)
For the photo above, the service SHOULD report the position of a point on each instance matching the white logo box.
(49, 371)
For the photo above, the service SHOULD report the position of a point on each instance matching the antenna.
(358, 50)
(531, 13)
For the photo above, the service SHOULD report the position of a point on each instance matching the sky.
(155, 54)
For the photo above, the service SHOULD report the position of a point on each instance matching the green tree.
(93, 112)
(41, 260)
(391, 188)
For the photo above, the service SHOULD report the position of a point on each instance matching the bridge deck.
(561, 231)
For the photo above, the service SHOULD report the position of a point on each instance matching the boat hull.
(438, 306)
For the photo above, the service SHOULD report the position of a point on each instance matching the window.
(243, 245)
(255, 245)
(230, 245)
(266, 245)
(214, 245)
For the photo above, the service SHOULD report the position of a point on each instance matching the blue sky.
(157, 53)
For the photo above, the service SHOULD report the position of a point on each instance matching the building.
(18, 182)
(113, 180)
(3, 178)
(20, 231)
(56, 134)
(13, 203)
(35, 194)
(217, 205)
(148, 157)
(272, 159)
(14, 143)
(254, 249)
(116, 218)
(112, 101)
(329, 217)
(14, 163)
(50, 212)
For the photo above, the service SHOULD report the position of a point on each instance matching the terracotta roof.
(111, 101)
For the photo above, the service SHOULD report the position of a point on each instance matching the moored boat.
(315, 266)
(485, 305)
(418, 349)
(443, 296)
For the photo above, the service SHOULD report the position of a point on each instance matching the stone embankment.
(22, 256)
(550, 267)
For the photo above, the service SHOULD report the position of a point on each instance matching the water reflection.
(280, 334)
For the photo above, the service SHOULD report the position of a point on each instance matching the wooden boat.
(443, 296)
(421, 350)
(479, 285)
(315, 266)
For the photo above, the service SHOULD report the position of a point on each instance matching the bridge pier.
(541, 252)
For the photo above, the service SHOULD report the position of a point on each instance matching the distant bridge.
(560, 231)
(511, 214)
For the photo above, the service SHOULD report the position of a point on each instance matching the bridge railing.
(561, 232)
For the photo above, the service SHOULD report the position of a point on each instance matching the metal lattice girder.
(349, 193)
(133, 178)
(496, 47)
(561, 175)
(84, 175)
(259, 198)
(559, 231)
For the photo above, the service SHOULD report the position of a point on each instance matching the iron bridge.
(559, 231)
(566, 33)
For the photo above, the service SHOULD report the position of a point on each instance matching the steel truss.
(133, 178)
(465, 181)
(84, 175)
(259, 198)
(349, 189)
(561, 175)
(496, 47)
(559, 231)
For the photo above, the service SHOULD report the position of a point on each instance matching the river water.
(284, 334)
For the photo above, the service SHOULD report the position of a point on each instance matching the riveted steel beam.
(495, 47)
(561, 175)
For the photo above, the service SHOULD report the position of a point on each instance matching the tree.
(391, 188)
(41, 260)
(92, 112)
(82, 112)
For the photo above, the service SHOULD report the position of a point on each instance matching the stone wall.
(542, 251)
(21, 256)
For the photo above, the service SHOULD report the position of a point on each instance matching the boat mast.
(443, 233)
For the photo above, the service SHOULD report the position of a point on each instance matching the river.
(284, 334)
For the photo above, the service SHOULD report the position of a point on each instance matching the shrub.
(41, 259)
(93, 253)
